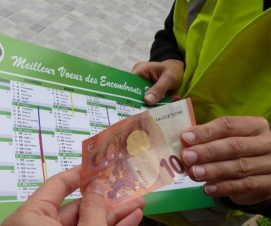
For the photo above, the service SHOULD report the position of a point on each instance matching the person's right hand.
(166, 76)
(94, 211)
(44, 208)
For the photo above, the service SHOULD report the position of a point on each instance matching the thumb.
(158, 90)
(93, 208)
(153, 71)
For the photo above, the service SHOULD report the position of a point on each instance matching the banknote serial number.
(167, 116)
(173, 165)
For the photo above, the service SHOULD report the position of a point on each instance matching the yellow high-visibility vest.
(227, 50)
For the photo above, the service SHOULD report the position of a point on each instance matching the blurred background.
(118, 33)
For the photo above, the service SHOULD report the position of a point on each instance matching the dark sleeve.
(263, 208)
(267, 4)
(165, 45)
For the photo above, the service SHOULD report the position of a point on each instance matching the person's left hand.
(44, 206)
(166, 76)
(233, 155)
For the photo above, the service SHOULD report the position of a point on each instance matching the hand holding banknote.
(139, 154)
(233, 156)
(44, 206)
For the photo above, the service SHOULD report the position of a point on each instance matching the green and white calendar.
(49, 103)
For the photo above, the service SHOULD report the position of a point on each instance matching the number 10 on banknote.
(138, 154)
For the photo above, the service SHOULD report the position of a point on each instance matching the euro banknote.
(138, 154)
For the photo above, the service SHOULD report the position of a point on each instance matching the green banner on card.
(50, 102)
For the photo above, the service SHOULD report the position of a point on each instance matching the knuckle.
(171, 78)
(238, 145)
(218, 173)
(243, 166)
(42, 207)
(226, 188)
(203, 133)
(250, 184)
(228, 122)
(210, 153)
(62, 179)
(92, 203)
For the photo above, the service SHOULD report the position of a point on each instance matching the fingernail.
(151, 98)
(97, 187)
(175, 97)
(198, 172)
(210, 189)
(190, 157)
(189, 137)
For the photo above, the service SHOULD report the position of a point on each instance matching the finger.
(132, 219)
(226, 126)
(226, 149)
(175, 97)
(160, 88)
(137, 68)
(250, 198)
(153, 71)
(56, 188)
(257, 189)
(148, 70)
(93, 208)
(231, 169)
(69, 213)
(124, 210)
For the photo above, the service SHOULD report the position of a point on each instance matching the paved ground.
(116, 32)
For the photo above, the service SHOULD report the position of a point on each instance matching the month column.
(7, 164)
(70, 112)
(34, 137)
